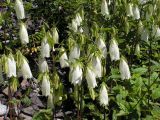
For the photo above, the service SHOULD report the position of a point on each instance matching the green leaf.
(156, 93)
(140, 70)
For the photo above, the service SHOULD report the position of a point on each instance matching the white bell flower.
(145, 34)
(103, 96)
(74, 25)
(11, 68)
(104, 8)
(23, 34)
(74, 53)
(96, 65)
(91, 78)
(78, 19)
(124, 69)
(43, 66)
(129, 9)
(76, 75)
(155, 31)
(63, 59)
(45, 87)
(102, 46)
(136, 12)
(114, 50)
(45, 48)
(25, 69)
(19, 8)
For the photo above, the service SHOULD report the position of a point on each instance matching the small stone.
(28, 111)
(59, 114)
(36, 101)
(25, 117)
(5, 91)
(68, 112)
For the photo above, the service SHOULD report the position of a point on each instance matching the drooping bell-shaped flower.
(25, 69)
(149, 12)
(19, 8)
(156, 31)
(104, 8)
(74, 25)
(145, 34)
(114, 50)
(96, 65)
(55, 35)
(91, 78)
(11, 67)
(129, 9)
(3, 110)
(136, 12)
(78, 19)
(74, 52)
(103, 96)
(50, 102)
(124, 69)
(101, 45)
(23, 34)
(76, 75)
(43, 66)
(45, 48)
(63, 59)
(45, 87)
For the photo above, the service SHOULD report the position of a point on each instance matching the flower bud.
(76, 75)
(11, 70)
(129, 9)
(55, 35)
(45, 48)
(25, 69)
(45, 87)
(63, 59)
(43, 66)
(114, 50)
(23, 34)
(104, 8)
(74, 52)
(101, 45)
(103, 96)
(137, 50)
(140, 27)
(136, 13)
(19, 8)
(91, 78)
(124, 69)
